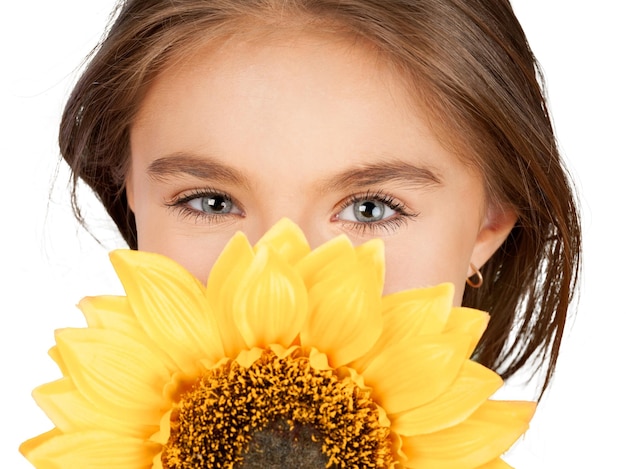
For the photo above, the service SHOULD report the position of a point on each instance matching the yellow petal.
(156, 461)
(323, 260)
(71, 412)
(483, 437)
(282, 352)
(236, 254)
(467, 321)
(425, 310)
(405, 376)
(345, 318)
(247, 357)
(409, 314)
(224, 278)
(371, 255)
(112, 371)
(473, 386)
(495, 464)
(287, 240)
(170, 305)
(91, 450)
(109, 312)
(56, 356)
(318, 360)
(30, 445)
(505, 410)
(339, 251)
(163, 434)
(114, 313)
(270, 302)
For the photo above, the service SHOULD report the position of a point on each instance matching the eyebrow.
(382, 172)
(201, 167)
(208, 168)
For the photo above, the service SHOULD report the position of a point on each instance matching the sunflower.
(286, 358)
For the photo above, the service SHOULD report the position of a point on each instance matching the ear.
(497, 224)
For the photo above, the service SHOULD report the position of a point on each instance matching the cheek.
(415, 271)
(195, 254)
(429, 259)
(160, 233)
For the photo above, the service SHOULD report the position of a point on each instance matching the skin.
(310, 127)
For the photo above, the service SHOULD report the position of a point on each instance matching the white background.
(49, 263)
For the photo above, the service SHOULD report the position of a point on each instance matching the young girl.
(421, 122)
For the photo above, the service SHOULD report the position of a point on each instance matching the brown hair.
(482, 85)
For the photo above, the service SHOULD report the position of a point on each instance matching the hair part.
(467, 61)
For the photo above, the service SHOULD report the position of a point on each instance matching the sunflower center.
(281, 444)
(278, 412)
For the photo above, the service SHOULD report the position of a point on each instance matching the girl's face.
(313, 128)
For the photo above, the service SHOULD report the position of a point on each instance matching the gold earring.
(476, 273)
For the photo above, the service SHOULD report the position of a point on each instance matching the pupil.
(216, 204)
(369, 210)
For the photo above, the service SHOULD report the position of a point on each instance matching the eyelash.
(400, 219)
(180, 204)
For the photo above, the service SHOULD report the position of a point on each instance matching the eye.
(367, 210)
(215, 204)
(205, 205)
(373, 213)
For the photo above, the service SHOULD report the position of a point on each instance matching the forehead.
(262, 54)
(279, 94)
(244, 43)
(261, 66)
